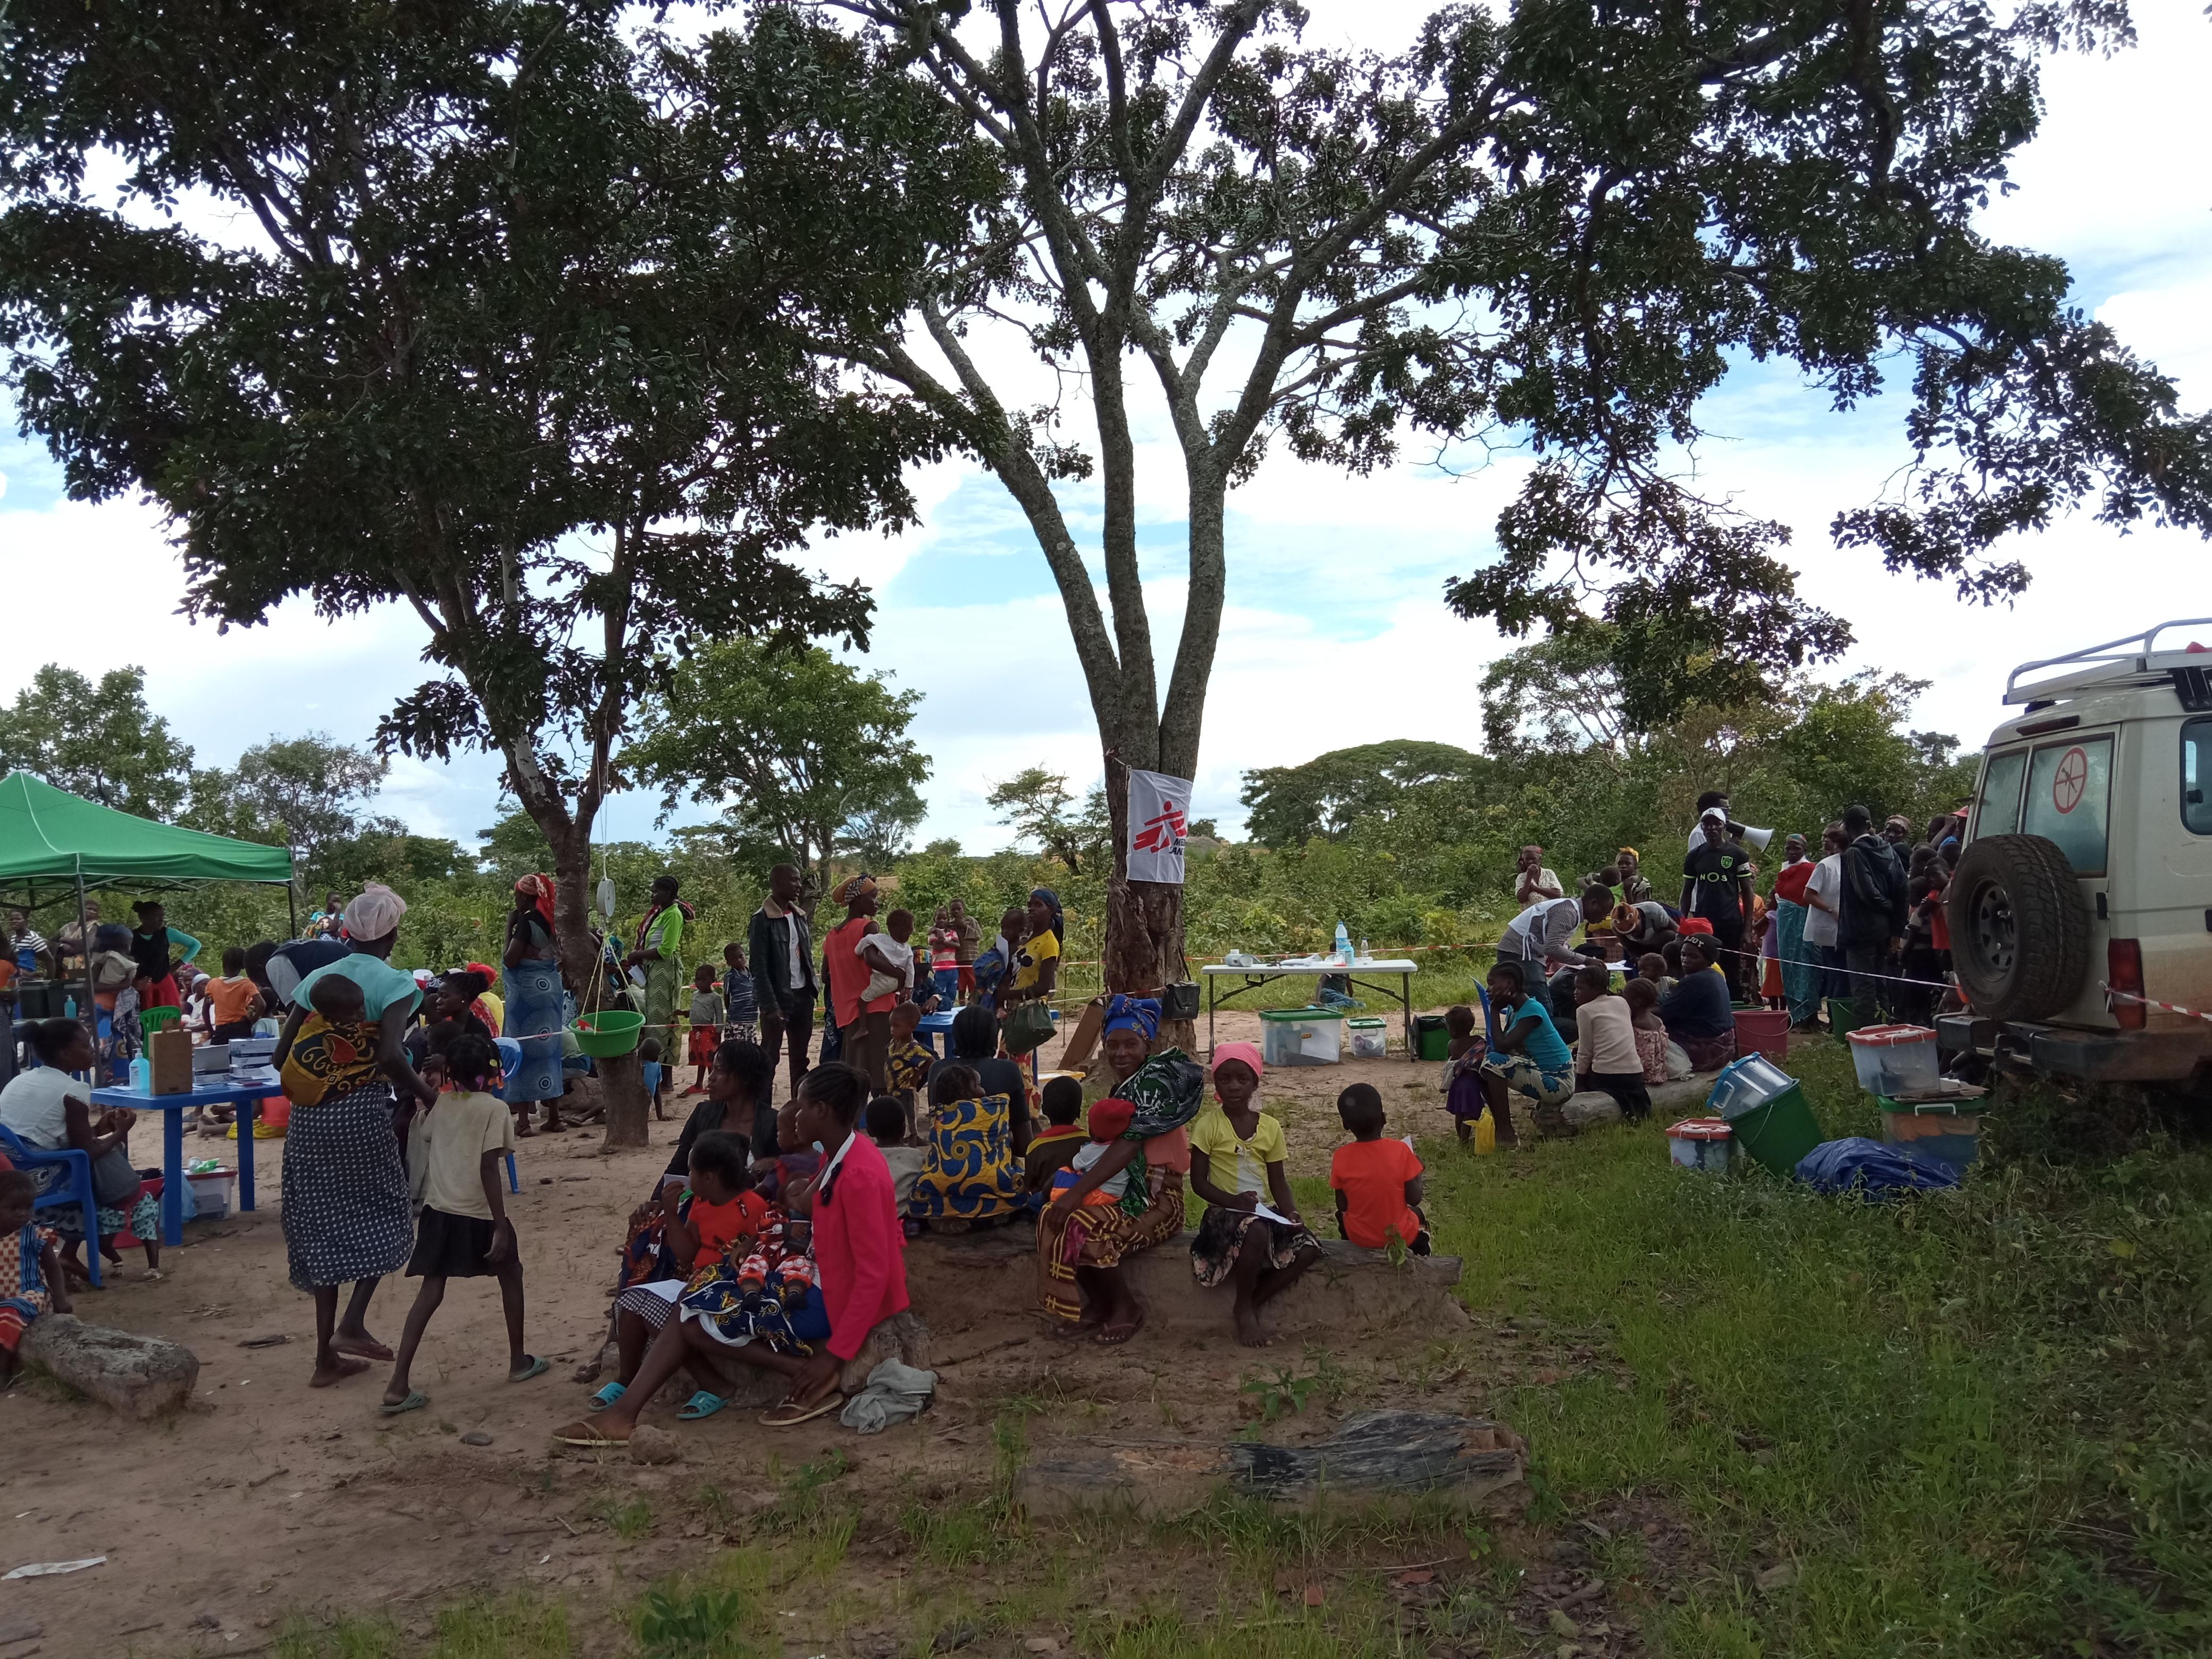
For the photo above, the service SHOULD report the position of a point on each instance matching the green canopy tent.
(54, 844)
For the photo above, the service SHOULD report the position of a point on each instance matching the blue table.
(221, 1090)
(926, 1030)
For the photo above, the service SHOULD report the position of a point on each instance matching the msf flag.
(1159, 813)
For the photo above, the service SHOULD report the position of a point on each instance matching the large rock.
(141, 1376)
(1388, 1456)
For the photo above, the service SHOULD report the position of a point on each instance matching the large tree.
(1035, 804)
(100, 741)
(1554, 230)
(464, 305)
(1288, 805)
(793, 745)
(308, 793)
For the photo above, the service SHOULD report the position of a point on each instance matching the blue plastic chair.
(77, 1190)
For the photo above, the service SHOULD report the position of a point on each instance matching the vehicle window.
(1998, 812)
(2195, 773)
(2068, 795)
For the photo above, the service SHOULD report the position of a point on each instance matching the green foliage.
(704, 1624)
(1287, 805)
(102, 741)
(1283, 1393)
(308, 793)
(803, 751)
(1034, 804)
(508, 338)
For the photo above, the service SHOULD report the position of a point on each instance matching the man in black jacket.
(1870, 920)
(781, 951)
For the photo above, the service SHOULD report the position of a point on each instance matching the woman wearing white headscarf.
(347, 1220)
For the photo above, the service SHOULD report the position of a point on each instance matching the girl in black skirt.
(464, 1232)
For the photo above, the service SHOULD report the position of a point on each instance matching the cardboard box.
(1075, 1054)
(169, 1056)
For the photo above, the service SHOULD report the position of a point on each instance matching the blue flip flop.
(536, 1367)
(415, 1401)
(607, 1397)
(700, 1405)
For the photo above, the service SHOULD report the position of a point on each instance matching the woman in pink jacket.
(860, 1247)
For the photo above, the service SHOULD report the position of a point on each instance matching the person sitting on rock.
(31, 1282)
(1237, 1153)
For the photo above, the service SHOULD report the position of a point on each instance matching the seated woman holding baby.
(1080, 1246)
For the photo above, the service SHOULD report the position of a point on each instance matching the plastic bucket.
(1431, 1040)
(610, 1032)
(1763, 1031)
(1766, 1111)
(1370, 1038)
(1895, 1059)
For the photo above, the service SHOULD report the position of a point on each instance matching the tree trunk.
(1144, 948)
(622, 1085)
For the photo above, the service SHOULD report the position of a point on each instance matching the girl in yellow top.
(1238, 1154)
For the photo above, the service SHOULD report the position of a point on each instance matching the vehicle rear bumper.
(2098, 1056)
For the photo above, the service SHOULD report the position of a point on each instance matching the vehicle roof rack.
(2103, 665)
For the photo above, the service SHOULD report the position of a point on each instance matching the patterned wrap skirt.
(1098, 1235)
(536, 1011)
(1223, 1235)
(970, 1172)
(346, 1214)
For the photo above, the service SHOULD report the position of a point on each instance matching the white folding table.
(1258, 974)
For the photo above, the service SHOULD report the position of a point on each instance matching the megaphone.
(1757, 838)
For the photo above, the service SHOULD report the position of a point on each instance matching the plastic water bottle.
(1363, 955)
(1343, 945)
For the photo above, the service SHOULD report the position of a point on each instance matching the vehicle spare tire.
(2019, 932)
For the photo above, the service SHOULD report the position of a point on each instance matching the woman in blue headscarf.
(1080, 1245)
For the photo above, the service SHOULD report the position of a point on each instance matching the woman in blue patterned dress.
(535, 1012)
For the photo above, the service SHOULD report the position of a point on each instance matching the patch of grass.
(628, 1518)
(1974, 1419)
(343, 1637)
(809, 1513)
(517, 1627)
(695, 1624)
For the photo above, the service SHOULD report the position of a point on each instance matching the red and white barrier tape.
(2150, 1002)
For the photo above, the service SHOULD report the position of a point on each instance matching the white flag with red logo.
(1160, 815)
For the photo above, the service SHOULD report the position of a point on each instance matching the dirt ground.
(266, 1496)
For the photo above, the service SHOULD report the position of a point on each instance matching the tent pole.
(292, 905)
(88, 1011)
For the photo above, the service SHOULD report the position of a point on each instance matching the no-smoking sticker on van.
(2071, 778)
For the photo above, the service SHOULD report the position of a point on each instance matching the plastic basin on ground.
(610, 1032)
(1765, 1110)
(1700, 1144)
(1301, 1036)
(1370, 1038)
(1895, 1059)
(1945, 1131)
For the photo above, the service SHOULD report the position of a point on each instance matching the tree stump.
(1380, 1457)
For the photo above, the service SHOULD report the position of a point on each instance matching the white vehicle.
(2083, 896)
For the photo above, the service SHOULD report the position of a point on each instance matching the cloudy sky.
(1336, 633)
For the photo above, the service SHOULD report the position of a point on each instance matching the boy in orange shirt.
(234, 1000)
(1377, 1182)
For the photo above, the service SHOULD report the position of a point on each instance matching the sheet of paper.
(1267, 1214)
